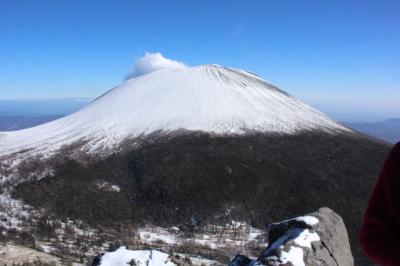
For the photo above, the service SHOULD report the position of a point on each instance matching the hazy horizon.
(64, 106)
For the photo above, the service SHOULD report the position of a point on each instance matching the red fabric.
(380, 232)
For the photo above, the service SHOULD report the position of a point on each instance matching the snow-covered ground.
(13, 213)
(209, 98)
(76, 240)
(236, 235)
(232, 238)
(123, 256)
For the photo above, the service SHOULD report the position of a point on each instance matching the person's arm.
(379, 234)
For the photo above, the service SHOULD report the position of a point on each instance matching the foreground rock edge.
(319, 238)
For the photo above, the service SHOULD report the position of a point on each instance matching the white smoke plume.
(152, 62)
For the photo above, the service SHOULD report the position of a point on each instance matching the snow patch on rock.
(309, 220)
(305, 238)
(294, 256)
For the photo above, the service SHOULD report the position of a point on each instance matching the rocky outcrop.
(319, 238)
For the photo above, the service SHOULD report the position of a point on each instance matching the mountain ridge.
(388, 130)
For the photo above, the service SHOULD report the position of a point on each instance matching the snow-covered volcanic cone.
(164, 95)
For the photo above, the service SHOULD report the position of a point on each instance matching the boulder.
(319, 238)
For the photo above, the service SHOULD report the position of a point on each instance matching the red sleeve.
(380, 232)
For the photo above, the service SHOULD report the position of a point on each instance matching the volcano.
(187, 146)
(208, 98)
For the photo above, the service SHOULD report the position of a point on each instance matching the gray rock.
(333, 234)
(319, 238)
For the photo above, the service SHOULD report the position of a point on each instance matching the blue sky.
(341, 56)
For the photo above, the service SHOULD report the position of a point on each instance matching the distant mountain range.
(26, 113)
(9, 123)
(388, 130)
(41, 107)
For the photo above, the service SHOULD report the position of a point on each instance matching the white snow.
(108, 187)
(47, 248)
(207, 98)
(301, 237)
(159, 235)
(309, 220)
(305, 238)
(294, 255)
(13, 212)
(123, 256)
(213, 237)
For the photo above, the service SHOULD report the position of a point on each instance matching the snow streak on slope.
(207, 98)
